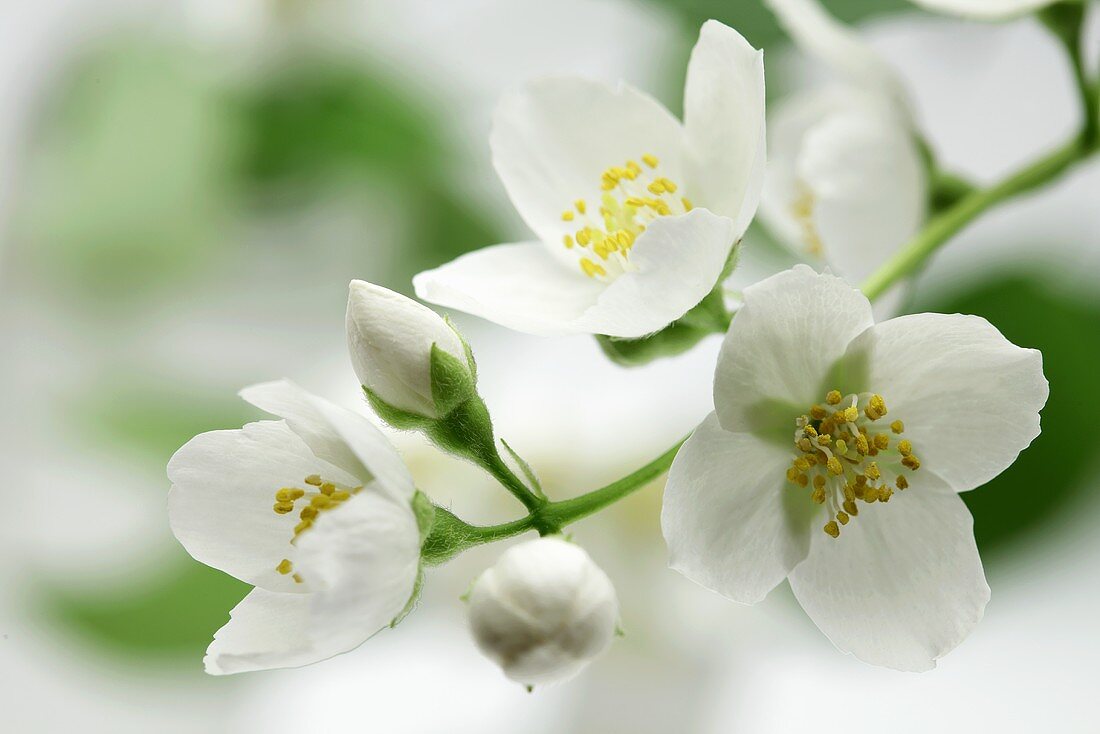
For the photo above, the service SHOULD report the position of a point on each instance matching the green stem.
(944, 226)
(451, 535)
(494, 464)
(568, 511)
(1067, 21)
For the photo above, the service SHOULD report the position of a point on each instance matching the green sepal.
(708, 317)
(452, 382)
(414, 599)
(404, 419)
(465, 346)
(424, 511)
(528, 472)
(449, 537)
(466, 431)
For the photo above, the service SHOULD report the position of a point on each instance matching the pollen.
(631, 198)
(323, 497)
(845, 455)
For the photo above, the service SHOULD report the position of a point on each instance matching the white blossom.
(822, 417)
(543, 611)
(635, 213)
(390, 340)
(315, 511)
(846, 185)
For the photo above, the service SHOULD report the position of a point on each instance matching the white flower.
(314, 510)
(390, 340)
(985, 9)
(635, 213)
(846, 185)
(543, 611)
(821, 415)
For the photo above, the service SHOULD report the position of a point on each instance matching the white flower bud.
(543, 611)
(390, 339)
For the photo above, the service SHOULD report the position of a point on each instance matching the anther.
(882, 441)
(905, 448)
(285, 566)
(902, 482)
(831, 528)
(842, 517)
(897, 427)
(833, 397)
(313, 480)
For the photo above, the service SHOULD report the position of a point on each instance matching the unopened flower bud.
(544, 611)
(390, 339)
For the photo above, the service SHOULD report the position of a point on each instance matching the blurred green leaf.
(150, 419)
(322, 118)
(174, 614)
(129, 175)
(1046, 479)
(757, 24)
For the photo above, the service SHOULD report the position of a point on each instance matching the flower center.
(322, 497)
(633, 196)
(803, 210)
(848, 457)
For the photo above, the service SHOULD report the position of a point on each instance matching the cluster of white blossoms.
(837, 446)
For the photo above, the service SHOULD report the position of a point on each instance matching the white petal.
(678, 261)
(788, 122)
(520, 286)
(221, 503)
(984, 9)
(553, 139)
(337, 435)
(286, 400)
(731, 522)
(373, 449)
(364, 557)
(724, 124)
(840, 48)
(783, 341)
(390, 340)
(868, 188)
(969, 398)
(902, 585)
(266, 630)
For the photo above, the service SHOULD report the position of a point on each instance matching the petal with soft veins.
(903, 584)
(788, 334)
(724, 124)
(731, 522)
(553, 138)
(968, 397)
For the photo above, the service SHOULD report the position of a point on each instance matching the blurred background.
(186, 189)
